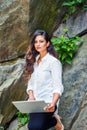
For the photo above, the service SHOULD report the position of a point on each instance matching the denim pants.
(41, 121)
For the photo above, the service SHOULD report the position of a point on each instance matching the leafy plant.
(1, 127)
(85, 7)
(74, 4)
(65, 47)
(23, 118)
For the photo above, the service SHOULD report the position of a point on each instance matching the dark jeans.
(41, 121)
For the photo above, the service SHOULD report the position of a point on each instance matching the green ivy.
(66, 47)
(1, 127)
(74, 4)
(23, 118)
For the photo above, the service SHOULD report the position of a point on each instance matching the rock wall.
(14, 17)
(76, 25)
(18, 20)
(12, 88)
(73, 103)
(49, 15)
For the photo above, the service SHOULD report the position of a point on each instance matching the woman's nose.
(38, 43)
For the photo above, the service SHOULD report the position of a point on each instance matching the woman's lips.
(38, 47)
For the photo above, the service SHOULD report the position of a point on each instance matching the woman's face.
(41, 44)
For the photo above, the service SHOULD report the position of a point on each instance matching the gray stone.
(12, 87)
(81, 120)
(14, 16)
(20, 18)
(76, 25)
(15, 125)
(45, 14)
(75, 84)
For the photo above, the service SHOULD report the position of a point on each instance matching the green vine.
(66, 47)
(1, 127)
(23, 118)
(75, 4)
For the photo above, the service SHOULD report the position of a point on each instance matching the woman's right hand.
(49, 108)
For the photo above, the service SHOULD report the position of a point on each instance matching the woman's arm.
(31, 95)
(56, 70)
(30, 88)
(56, 97)
(51, 107)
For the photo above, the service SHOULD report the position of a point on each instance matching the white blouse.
(46, 78)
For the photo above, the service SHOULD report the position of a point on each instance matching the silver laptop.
(30, 106)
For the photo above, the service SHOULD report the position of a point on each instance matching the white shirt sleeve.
(56, 70)
(30, 84)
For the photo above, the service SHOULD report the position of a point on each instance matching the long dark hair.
(31, 53)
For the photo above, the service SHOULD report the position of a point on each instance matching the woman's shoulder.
(54, 62)
(53, 59)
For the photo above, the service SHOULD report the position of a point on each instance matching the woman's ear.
(48, 43)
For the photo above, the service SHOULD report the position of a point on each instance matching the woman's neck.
(43, 54)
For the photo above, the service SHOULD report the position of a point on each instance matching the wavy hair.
(31, 53)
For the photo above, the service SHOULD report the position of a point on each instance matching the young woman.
(45, 81)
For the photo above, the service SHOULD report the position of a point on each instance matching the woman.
(45, 82)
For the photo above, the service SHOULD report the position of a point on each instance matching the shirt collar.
(44, 58)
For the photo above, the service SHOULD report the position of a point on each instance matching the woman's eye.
(40, 41)
(35, 42)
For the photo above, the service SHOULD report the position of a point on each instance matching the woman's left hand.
(49, 108)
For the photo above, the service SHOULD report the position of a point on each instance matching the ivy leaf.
(66, 4)
(69, 61)
(22, 117)
(70, 54)
(57, 48)
(63, 56)
(64, 47)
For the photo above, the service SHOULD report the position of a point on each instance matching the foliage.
(66, 47)
(1, 127)
(74, 4)
(22, 117)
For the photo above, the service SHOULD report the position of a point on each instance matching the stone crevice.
(81, 106)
